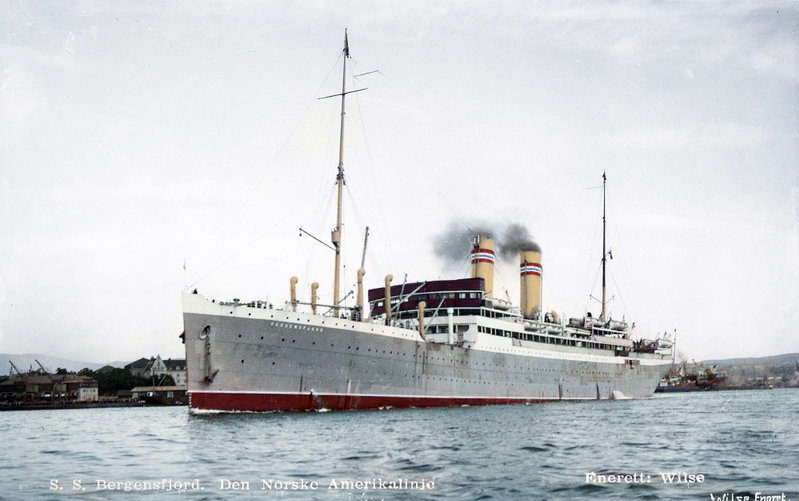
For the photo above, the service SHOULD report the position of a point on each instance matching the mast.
(336, 233)
(336, 237)
(603, 315)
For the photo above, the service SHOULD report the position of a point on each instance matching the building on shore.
(155, 367)
(48, 388)
(138, 367)
(161, 395)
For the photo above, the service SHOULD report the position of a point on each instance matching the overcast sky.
(139, 136)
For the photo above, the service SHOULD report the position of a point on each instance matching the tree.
(110, 382)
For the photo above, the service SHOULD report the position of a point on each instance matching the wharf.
(69, 405)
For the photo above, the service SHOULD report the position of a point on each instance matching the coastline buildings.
(49, 387)
(158, 368)
(141, 381)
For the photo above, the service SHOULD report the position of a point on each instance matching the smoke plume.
(516, 239)
(454, 245)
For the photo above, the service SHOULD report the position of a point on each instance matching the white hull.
(247, 358)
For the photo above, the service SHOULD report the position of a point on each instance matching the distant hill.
(28, 360)
(772, 361)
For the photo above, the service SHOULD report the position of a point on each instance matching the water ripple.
(521, 452)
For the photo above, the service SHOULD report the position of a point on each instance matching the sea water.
(726, 445)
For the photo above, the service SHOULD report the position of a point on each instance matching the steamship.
(425, 344)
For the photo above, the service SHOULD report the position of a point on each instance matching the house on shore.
(157, 368)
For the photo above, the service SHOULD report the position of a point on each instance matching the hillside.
(772, 361)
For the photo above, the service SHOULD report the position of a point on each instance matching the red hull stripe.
(221, 401)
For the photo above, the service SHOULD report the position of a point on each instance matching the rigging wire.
(316, 220)
(622, 268)
(314, 249)
(242, 249)
(621, 298)
(499, 272)
(322, 212)
(583, 300)
(588, 295)
(253, 191)
(592, 285)
(549, 292)
(408, 157)
(349, 201)
(376, 203)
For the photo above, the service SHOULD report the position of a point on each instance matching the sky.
(147, 148)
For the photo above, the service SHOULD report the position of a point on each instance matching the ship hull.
(256, 359)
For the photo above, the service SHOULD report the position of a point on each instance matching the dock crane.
(52, 381)
(16, 369)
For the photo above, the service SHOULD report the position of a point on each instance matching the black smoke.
(454, 245)
(516, 239)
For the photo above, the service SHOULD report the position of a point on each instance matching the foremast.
(336, 236)
(340, 182)
(604, 315)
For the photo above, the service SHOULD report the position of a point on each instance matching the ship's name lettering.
(295, 326)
